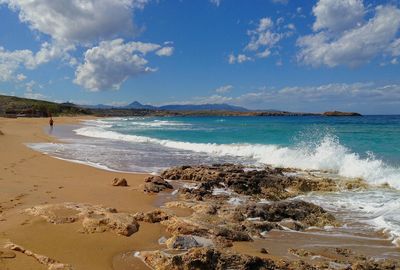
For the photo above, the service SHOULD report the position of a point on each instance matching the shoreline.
(32, 178)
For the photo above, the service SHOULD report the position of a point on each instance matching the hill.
(15, 106)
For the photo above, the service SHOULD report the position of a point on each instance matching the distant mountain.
(140, 106)
(179, 107)
(203, 107)
(98, 106)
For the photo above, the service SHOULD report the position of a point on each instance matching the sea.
(366, 147)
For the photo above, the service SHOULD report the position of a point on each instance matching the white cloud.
(109, 64)
(240, 58)
(224, 89)
(264, 40)
(354, 46)
(216, 2)
(165, 51)
(363, 97)
(12, 61)
(338, 15)
(395, 47)
(77, 20)
(263, 36)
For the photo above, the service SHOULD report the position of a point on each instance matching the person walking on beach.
(51, 122)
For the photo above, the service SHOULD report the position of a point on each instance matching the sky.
(308, 56)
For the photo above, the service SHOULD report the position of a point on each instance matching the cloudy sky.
(292, 55)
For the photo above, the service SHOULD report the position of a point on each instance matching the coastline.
(30, 178)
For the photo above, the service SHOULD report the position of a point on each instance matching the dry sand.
(29, 178)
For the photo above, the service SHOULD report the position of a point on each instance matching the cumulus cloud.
(224, 89)
(109, 64)
(71, 24)
(77, 20)
(356, 43)
(12, 61)
(338, 15)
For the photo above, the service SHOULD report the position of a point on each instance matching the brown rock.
(154, 216)
(120, 223)
(263, 251)
(119, 182)
(155, 184)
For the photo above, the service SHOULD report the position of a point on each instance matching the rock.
(6, 254)
(179, 226)
(233, 234)
(269, 183)
(154, 216)
(187, 241)
(94, 218)
(305, 212)
(120, 223)
(300, 252)
(212, 259)
(119, 182)
(337, 113)
(263, 251)
(51, 264)
(155, 184)
(291, 225)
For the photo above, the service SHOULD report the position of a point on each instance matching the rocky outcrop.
(307, 213)
(152, 216)
(50, 263)
(119, 182)
(186, 242)
(337, 113)
(94, 218)
(155, 184)
(269, 183)
(212, 259)
(120, 223)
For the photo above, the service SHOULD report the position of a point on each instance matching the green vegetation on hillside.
(16, 106)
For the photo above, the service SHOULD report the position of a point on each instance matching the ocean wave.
(379, 208)
(128, 122)
(326, 154)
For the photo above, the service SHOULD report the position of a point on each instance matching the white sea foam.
(378, 208)
(328, 154)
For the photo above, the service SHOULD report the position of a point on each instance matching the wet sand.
(29, 178)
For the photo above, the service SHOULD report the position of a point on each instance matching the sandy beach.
(29, 178)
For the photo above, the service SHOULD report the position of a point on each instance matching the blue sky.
(262, 54)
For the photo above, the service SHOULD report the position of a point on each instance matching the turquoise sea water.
(379, 135)
(365, 147)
